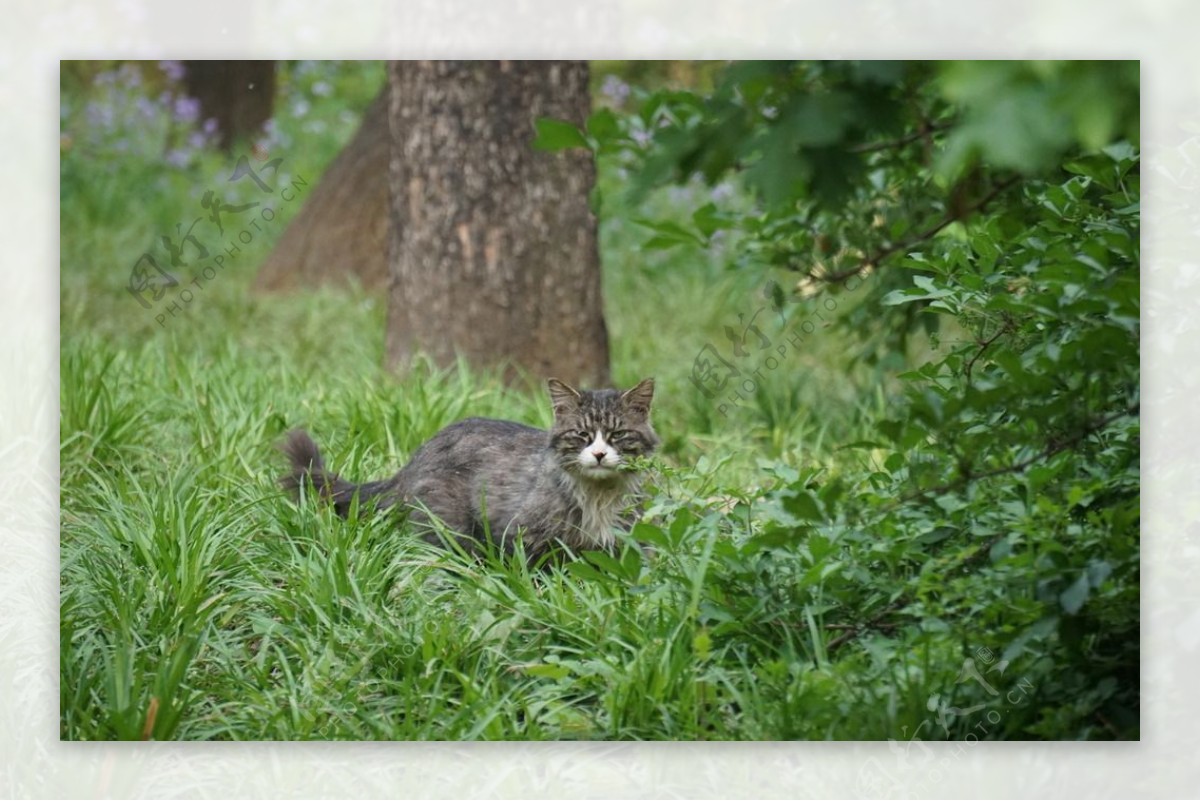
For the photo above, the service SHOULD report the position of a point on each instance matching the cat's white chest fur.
(600, 506)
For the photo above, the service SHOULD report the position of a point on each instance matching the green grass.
(197, 602)
(187, 577)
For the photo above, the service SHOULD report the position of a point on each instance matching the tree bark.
(493, 252)
(239, 95)
(342, 228)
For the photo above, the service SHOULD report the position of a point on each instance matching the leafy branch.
(955, 213)
(854, 630)
(1005, 328)
(878, 620)
(921, 133)
(1053, 449)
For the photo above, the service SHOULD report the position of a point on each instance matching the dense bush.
(995, 510)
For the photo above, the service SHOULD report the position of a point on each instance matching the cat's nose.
(599, 455)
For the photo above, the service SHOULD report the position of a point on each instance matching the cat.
(571, 485)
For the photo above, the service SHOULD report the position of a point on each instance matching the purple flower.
(272, 137)
(722, 191)
(130, 75)
(615, 89)
(174, 70)
(197, 140)
(641, 136)
(680, 194)
(178, 157)
(300, 108)
(146, 107)
(187, 109)
(322, 89)
(100, 115)
(210, 126)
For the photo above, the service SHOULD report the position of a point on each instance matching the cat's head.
(597, 432)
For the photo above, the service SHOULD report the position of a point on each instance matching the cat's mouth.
(600, 471)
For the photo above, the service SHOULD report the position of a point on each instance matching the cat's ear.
(562, 396)
(638, 399)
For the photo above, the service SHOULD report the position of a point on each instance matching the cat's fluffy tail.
(307, 465)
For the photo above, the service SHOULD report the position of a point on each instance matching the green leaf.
(1098, 571)
(631, 562)
(939, 534)
(817, 120)
(586, 572)
(1073, 598)
(708, 220)
(548, 671)
(555, 134)
(1000, 550)
(702, 645)
(660, 242)
(668, 230)
(605, 562)
(649, 533)
(603, 126)
(804, 505)
(1037, 632)
(774, 536)
(781, 470)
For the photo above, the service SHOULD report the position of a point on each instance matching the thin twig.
(856, 630)
(1004, 329)
(1051, 450)
(951, 216)
(921, 133)
(840, 640)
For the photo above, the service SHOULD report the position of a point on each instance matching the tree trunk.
(341, 230)
(493, 251)
(239, 95)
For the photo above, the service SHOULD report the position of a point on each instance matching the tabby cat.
(501, 480)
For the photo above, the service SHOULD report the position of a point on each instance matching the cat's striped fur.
(501, 480)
